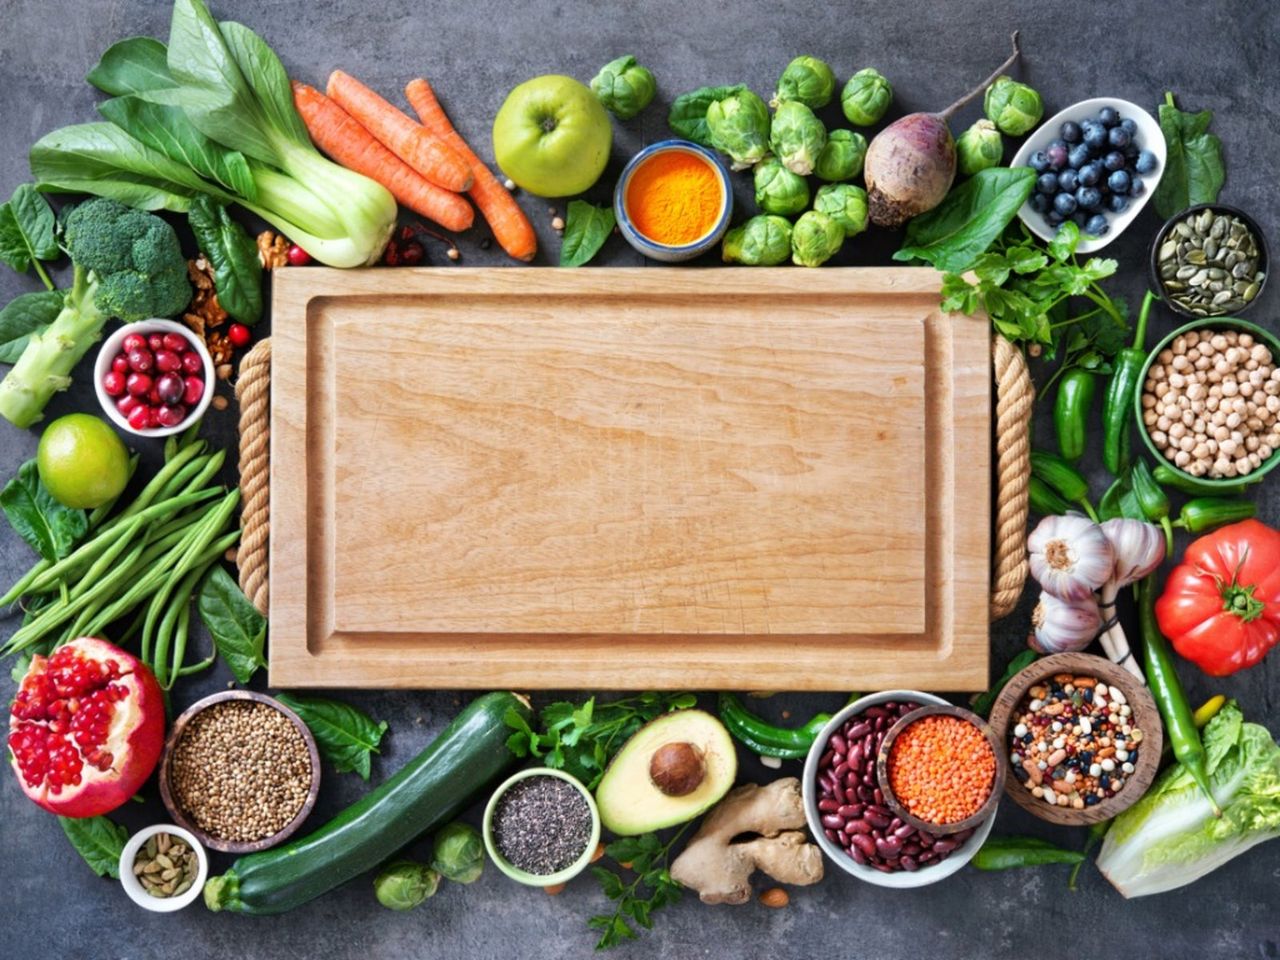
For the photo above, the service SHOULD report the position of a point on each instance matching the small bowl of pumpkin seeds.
(1209, 261)
(163, 868)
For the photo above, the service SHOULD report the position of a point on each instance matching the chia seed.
(542, 825)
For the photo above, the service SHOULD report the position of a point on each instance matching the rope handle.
(1014, 396)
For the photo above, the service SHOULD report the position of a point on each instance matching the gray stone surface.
(1220, 55)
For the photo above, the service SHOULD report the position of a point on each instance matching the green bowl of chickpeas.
(1209, 401)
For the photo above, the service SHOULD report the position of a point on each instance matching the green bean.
(157, 484)
(181, 601)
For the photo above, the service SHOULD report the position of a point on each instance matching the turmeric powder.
(674, 198)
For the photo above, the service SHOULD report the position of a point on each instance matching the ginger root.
(721, 870)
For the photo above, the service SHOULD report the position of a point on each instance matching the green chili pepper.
(1071, 409)
(1152, 500)
(1096, 832)
(1109, 505)
(1166, 690)
(1063, 478)
(1006, 853)
(1117, 405)
(1205, 513)
(764, 738)
(1167, 476)
(1044, 501)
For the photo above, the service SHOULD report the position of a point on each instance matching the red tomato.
(1221, 606)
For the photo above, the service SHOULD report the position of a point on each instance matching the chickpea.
(1148, 401)
(1182, 458)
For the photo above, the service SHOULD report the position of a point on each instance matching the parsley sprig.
(650, 888)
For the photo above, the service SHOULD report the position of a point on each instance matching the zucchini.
(426, 792)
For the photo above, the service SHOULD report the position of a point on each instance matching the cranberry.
(176, 342)
(239, 334)
(153, 396)
(167, 361)
(297, 256)
(120, 364)
(141, 361)
(134, 341)
(155, 341)
(113, 383)
(170, 388)
(127, 404)
(170, 416)
(140, 418)
(412, 254)
(192, 391)
(191, 362)
(138, 384)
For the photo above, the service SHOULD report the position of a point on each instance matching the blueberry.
(1130, 151)
(1068, 180)
(1080, 218)
(1118, 137)
(1113, 161)
(1119, 182)
(1089, 198)
(1065, 204)
(1039, 162)
(1094, 134)
(1137, 188)
(1129, 126)
(1090, 174)
(1041, 202)
(1146, 162)
(1097, 225)
(1109, 116)
(1116, 203)
(1057, 154)
(1071, 132)
(1047, 183)
(1053, 218)
(1078, 156)
(1057, 142)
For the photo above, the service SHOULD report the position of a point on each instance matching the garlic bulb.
(1138, 547)
(1064, 625)
(1070, 556)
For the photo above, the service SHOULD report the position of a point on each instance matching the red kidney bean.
(890, 848)
(925, 839)
(859, 730)
(831, 834)
(864, 843)
(904, 831)
(895, 823)
(851, 810)
(828, 805)
(855, 757)
(833, 822)
(945, 846)
(885, 867)
(843, 839)
(851, 781)
(911, 849)
(841, 769)
(869, 746)
(868, 776)
(858, 826)
(908, 864)
(879, 795)
(963, 835)
(876, 818)
(838, 745)
(866, 795)
(828, 758)
(858, 856)
(874, 712)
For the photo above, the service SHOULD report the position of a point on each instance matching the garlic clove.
(1060, 626)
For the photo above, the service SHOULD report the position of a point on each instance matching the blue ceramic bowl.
(662, 251)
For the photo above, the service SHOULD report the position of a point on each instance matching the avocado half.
(674, 768)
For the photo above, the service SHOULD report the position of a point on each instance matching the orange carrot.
(431, 157)
(339, 135)
(511, 228)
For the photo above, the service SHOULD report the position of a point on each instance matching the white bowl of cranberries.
(154, 377)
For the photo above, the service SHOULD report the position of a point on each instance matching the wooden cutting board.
(627, 478)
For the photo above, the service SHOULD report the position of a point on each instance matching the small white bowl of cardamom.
(163, 868)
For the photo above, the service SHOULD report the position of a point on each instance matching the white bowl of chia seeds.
(541, 827)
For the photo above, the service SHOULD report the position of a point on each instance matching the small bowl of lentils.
(541, 827)
(1209, 261)
(163, 868)
(240, 771)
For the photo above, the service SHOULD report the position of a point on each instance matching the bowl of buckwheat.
(1209, 406)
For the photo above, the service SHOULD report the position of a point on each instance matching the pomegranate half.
(86, 728)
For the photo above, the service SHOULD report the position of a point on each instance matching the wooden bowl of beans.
(1082, 738)
(240, 771)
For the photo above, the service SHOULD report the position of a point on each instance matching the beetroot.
(911, 163)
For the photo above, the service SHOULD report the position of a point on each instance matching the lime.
(82, 462)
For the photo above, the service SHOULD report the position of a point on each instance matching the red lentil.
(942, 769)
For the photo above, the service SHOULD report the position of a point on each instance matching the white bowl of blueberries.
(1097, 163)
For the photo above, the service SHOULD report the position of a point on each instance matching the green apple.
(552, 136)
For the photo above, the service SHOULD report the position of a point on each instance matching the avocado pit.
(677, 769)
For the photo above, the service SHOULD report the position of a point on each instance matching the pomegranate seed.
(170, 388)
(141, 361)
(140, 418)
(239, 334)
(127, 404)
(113, 383)
(191, 362)
(155, 341)
(134, 341)
(168, 361)
(192, 391)
(120, 364)
(176, 342)
(170, 416)
(297, 256)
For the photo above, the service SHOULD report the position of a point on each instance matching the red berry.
(192, 363)
(192, 391)
(127, 404)
(153, 396)
(155, 341)
(170, 416)
(167, 361)
(120, 364)
(113, 383)
(170, 388)
(239, 334)
(140, 418)
(412, 253)
(134, 341)
(141, 361)
(138, 384)
(176, 342)
(297, 256)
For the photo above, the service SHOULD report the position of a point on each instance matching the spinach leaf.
(237, 271)
(346, 737)
(238, 629)
(50, 528)
(585, 231)
(973, 215)
(24, 315)
(99, 840)
(1194, 171)
(688, 116)
(135, 65)
(27, 232)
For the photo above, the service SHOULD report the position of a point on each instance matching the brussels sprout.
(458, 853)
(403, 884)
(808, 80)
(1012, 106)
(624, 87)
(815, 239)
(739, 126)
(866, 97)
(797, 137)
(841, 158)
(763, 241)
(778, 190)
(979, 147)
(845, 204)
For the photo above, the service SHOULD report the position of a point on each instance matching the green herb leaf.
(1064, 242)
(1194, 171)
(98, 840)
(27, 230)
(24, 315)
(650, 889)
(972, 217)
(50, 528)
(688, 116)
(237, 271)
(585, 231)
(347, 737)
(238, 629)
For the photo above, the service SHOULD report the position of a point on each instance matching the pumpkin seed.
(1168, 250)
(1196, 256)
(1250, 292)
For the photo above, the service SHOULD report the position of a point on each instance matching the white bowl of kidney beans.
(154, 377)
(846, 810)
